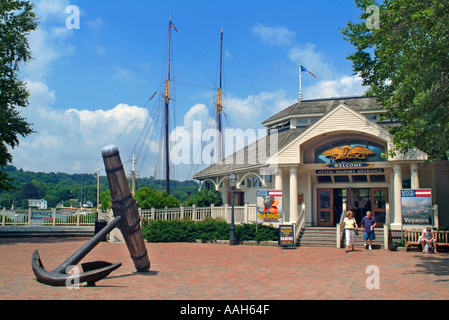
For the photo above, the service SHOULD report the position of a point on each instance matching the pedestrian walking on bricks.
(350, 225)
(368, 223)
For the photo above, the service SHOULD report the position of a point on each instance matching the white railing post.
(181, 214)
(338, 236)
(54, 216)
(194, 212)
(29, 216)
(387, 226)
(245, 213)
(3, 216)
(77, 218)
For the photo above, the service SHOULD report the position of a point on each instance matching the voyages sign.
(416, 206)
(269, 206)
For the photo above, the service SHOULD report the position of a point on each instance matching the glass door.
(380, 198)
(325, 211)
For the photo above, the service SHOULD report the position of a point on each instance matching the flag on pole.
(304, 69)
(173, 26)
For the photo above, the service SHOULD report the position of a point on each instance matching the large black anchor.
(92, 271)
(127, 219)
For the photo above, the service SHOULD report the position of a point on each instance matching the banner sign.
(416, 206)
(286, 235)
(269, 206)
(41, 215)
(349, 165)
(350, 171)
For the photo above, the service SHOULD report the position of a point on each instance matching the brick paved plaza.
(195, 271)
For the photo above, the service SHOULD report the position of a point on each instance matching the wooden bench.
(411, 237)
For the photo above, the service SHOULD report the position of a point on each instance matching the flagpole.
(300, 91)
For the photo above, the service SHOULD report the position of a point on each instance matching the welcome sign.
(416, 206)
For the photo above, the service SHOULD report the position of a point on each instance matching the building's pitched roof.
(239, 160)
(323, 106)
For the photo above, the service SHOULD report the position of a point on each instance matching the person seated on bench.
(428, 237)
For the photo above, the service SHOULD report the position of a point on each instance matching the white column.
(414, 179)
(278, 179)
(293, 195)
(397, 173)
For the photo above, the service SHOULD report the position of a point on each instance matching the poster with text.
(416, 206)
(269, 206)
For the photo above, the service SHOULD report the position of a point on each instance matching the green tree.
(17, 19)
(6, 200)
(105, 199)
(205, 198)
(148, 197)
(405, 63)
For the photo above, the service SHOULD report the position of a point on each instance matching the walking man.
(368, 224)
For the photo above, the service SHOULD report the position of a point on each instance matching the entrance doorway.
(358, 200)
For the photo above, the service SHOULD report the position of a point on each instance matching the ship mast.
(166, 115)
(219, 106)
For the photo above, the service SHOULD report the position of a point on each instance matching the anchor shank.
(75, 258)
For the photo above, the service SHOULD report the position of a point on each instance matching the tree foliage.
(148, 198)
(205, 198)
(405, 63)
(61, 187)
(17, 20)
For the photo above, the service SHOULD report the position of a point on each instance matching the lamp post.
(232, 180)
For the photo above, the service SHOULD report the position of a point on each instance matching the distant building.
(88, 204)
(37, 203)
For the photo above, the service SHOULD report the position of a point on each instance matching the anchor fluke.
(93, 273)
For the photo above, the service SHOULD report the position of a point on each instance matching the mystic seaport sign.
(349, 168)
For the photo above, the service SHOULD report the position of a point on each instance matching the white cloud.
(50, 41)
(251, 111)
(71, 140)
(124, 74)
(312, 59)
(274, 35)
(340, 87)
(330, 82)
(96, 23)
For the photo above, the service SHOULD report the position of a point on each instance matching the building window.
(359, 178)
(377, 178)
(324, 179)
(341, 178)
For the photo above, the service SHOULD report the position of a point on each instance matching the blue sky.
(89, 86)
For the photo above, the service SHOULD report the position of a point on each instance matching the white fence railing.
(242, 214)
(87, 217)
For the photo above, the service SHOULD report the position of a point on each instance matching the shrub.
(186, 230)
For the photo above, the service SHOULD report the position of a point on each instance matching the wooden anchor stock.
(124, 205)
